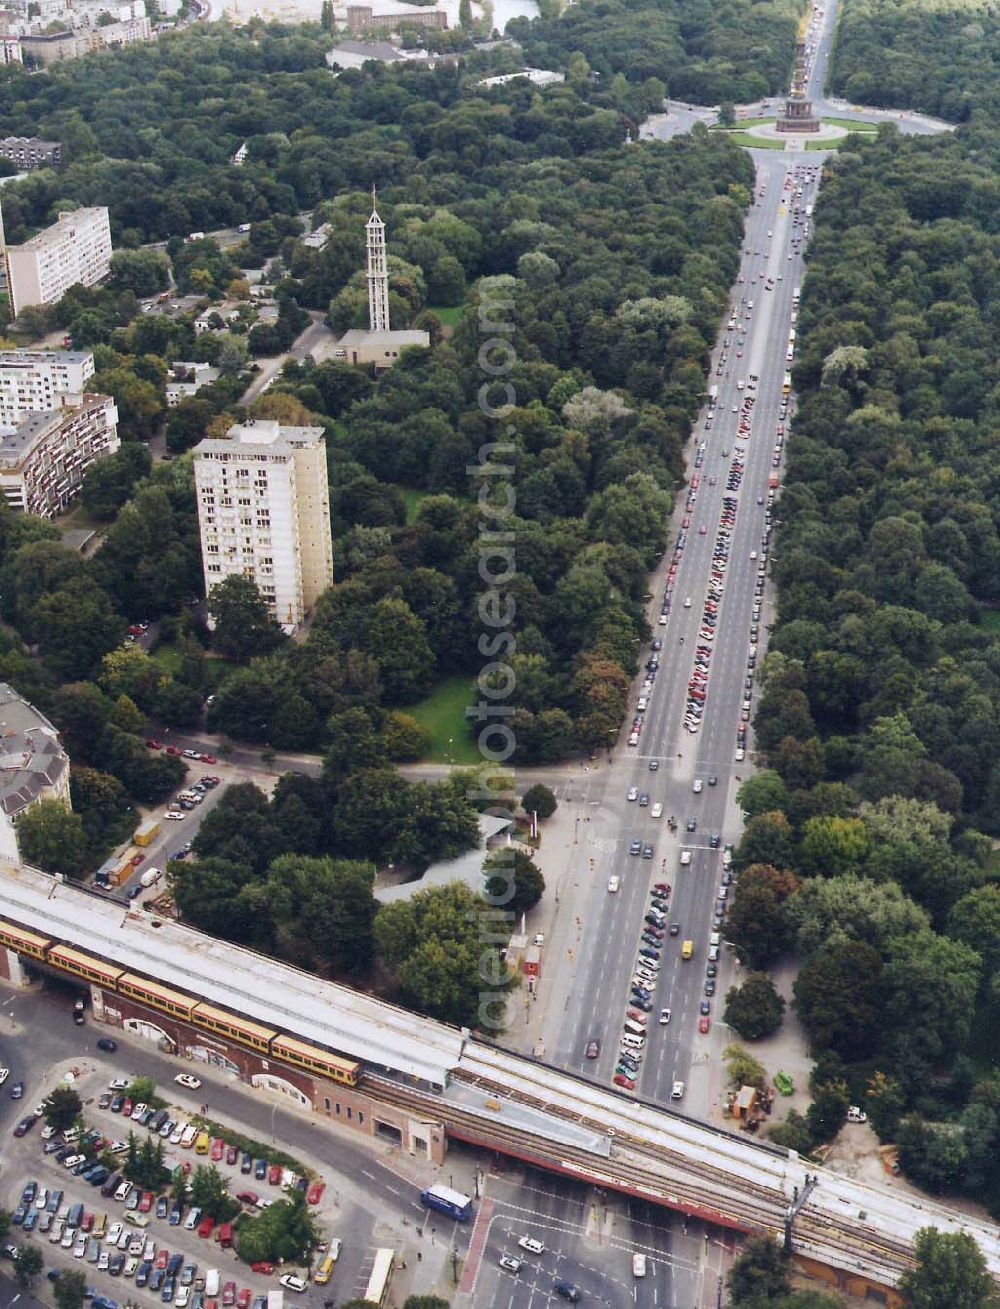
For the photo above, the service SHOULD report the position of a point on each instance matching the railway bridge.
(382, 1070)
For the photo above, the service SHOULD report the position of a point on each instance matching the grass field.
(412, 498)
(741, 122)
(443, 714)
(450, 315)
(851, 124)
(755, 142)
(169, 659)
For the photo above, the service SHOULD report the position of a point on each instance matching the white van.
(211, 1283)
(685, 857)
(638, 1265)
(677, 1091)
(633, 1040)
(188, 1135)
(614, 883)
(715, 939)
(635, 1028)
(151, 876)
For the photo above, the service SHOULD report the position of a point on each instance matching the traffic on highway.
(652, 961)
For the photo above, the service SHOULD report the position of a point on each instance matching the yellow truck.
(146, 832)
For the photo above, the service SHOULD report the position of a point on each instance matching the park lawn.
(755, 142)
(411, 498)
(741, 122)
(442, 713)
(851, 124)
(450, 315)
(169, 659)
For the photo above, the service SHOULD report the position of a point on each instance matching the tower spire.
(378, 276)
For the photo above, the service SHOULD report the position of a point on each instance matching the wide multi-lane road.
(612, 923)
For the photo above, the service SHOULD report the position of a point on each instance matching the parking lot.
(86, 1216)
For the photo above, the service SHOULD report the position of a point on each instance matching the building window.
(349, 1112)
(326, 1103)
(337, 1108)
(361, 1118)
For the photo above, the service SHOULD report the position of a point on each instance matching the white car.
(656, 811)
(103, 1260)
(80, 1246)
(138, 1111)
(114, 1232)
(175, 815)
(73, 1160)
(687, 602)
(697, 786)
(118, 1084)
(4, 1074)
(186, 1080)
(532, 1245)
(292, 1283)
(664, 1017)
(511, 1264)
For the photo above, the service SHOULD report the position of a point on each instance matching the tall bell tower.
(378, 275)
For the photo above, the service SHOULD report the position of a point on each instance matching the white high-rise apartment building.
(264, 513)
(35, 381)
(77, 248)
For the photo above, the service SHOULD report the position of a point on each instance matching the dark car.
(593, 1048)
(246, 1164)
(25, 1125)
(106, 1043)
(566, 1290)
(260, 1169)
(162, 1206)
(116, 1104)
(675, 929)
(175, 1216)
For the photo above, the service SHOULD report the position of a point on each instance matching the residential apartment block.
(33, 766)
(43, 459)
(77, 248)
(28, 152)
(264, 513)
(40, 380)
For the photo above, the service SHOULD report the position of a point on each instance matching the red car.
(232, 1154)
(248, 1197)
(136, 630)
(662, 886)
(229, 1293)
(620, 1079)
(173, 749)
(218, 1150)
(205, 1228)
(274, 1175)
(243, 1299)
(208, 759)
(704, 1024)
(261, 1266)
(162, 1258)
(87, 1223)
(315, 1193)
(137, 860)
(155, 745)
(127, 1107)
(146, 1203)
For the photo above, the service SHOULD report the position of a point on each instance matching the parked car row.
(192, 796)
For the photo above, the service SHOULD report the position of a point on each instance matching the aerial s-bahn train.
(199, 1013)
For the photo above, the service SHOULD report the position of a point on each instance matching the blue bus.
(449, 1202)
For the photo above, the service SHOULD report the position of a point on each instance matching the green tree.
(540, 800)
(754, 1009)
(51, 836)
(828, 1110)
(62, 1107)
(513, 881)
(242, 626)
(742, 1068)
(68, 1291)
(837, 998)
(403, 738)
(27, 1265)
(760, 1274)
(210, 1194)
(761, 793)
(951, 1273)
(284, 1231)
(758, 916)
